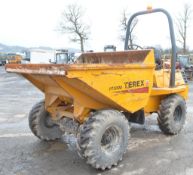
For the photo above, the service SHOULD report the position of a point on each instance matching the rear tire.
(104, 138)
(172, 114)
(41, 125)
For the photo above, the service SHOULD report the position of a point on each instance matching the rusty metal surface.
(49, 69)
(61, 70)
(126, 57)
(101, 60)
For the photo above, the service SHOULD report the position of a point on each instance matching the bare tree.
(123, 26)
(72, 23)
(183, 22)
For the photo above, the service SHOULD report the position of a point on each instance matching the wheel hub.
(110, 139)
(178, 114)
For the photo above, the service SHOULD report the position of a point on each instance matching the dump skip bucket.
(120, 80)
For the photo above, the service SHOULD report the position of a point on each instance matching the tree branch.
(72, 23)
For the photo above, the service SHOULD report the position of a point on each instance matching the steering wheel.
(134, 47)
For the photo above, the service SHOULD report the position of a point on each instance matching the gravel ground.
(149, 151)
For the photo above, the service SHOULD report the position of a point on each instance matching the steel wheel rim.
(178, 114)
(110, 140)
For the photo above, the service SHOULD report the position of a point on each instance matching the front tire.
(41, 124)
(172, 114)
(104, 138)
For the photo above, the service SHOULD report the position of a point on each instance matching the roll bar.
(172, 36)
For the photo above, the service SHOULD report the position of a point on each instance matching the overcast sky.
(33, 23)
